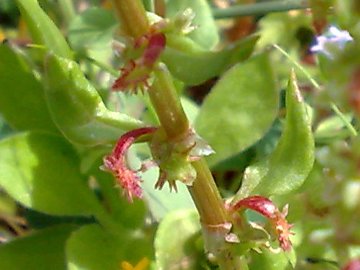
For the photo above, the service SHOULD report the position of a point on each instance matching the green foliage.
(91, 247)
(162, 202)
(174, 249)
(84, 120)
(206, 33)
(22, 103)
(58, 120)
(194, 65)
(234, 117)
(41, 250)
(288, 166)
(45, 169)
(43, 30)
(92, 29)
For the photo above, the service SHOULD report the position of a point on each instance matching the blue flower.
(333, 40)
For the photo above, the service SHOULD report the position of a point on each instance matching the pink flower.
(266, 207)
(353, 265)
(135, 75)
(128, 179)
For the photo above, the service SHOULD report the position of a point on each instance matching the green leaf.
(42, 28)
(77, 108)
(174, 241)
(92, 248)
(332, 128)
(194, 65)
(41, 250)
(22, 99)
(239, 109)
(40, 171)
(285, 29)
(92, 29)
(162, 202)
(206, 33)
(268, 260)
(289, 165)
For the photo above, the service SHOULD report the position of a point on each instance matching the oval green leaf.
(288, 166)
(40, 171)
(193, 66)
(77, 108)
(206, 33)
(162, 202)
(239, 109)
(41, 250)
(22, 98)
(92, 29)
(93, 248)
(174, 241)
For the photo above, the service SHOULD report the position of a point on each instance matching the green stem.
(259, 8)
(169, 110)
(67, 10)
(133, 17)
(167, 104)
(149, 5)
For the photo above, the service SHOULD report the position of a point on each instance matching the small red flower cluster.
(353, 265)
(267, 208)
(136, 72)
(116, 163)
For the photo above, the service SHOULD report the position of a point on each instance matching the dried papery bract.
(116, 163)
(277, 218)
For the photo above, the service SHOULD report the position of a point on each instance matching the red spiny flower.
(266, 207)
(134, 77)
(155, 47)
(135, 74)
(116, 163)
(353, 265)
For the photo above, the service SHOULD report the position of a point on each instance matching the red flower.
(353, 265)
(135, 74)
(266, 207)
(116, 163)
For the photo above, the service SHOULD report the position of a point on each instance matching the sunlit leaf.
(206, 33)
(288, 166)
(174, 241)
(22, 99)
(164, 201)
(93, 248)
(41, 250)
(41, 171)
(239, 109)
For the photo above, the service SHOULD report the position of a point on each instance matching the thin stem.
(132, 15)
(344, 119)
(333, 106)
(68, 10)
(297, 65)
(160, 8)
(167, 104)
(206, 194)
(149, 5)
(259, 8)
